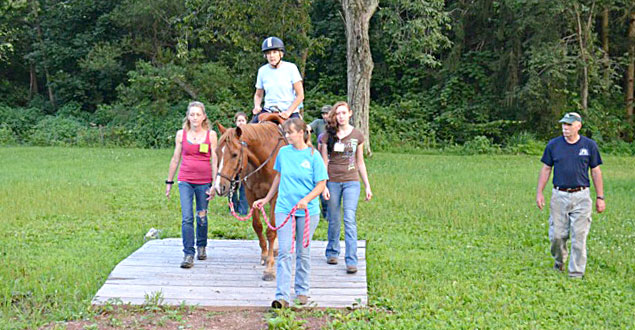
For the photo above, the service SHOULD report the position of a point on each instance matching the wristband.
(600, 197)
(169, 182)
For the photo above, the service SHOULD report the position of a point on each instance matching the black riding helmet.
(272, 43)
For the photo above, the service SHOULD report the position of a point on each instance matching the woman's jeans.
(239, 199)
(346, 193)
(188, 192)
(302, 259)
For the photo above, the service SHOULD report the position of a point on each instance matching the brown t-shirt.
(343, 165)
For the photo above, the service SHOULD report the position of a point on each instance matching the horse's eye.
(234, 155)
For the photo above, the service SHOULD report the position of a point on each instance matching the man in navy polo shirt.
(571, 156)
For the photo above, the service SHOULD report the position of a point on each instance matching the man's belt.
(571, 190)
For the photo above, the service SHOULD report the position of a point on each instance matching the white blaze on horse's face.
(220, 168)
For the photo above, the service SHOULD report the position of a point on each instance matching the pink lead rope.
(307, 218)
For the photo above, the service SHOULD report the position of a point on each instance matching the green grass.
(453, 241)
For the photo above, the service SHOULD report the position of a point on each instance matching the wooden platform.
(230, 277)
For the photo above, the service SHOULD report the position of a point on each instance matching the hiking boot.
(559, 267)
(331, 260)
(279, 303)
(188, 261)
(201, 253)
(303, 299)
(351, 269)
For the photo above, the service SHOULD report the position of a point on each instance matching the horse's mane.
(264, 131)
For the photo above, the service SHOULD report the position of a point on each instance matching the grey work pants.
(570, 216)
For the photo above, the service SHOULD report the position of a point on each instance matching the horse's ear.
(238, 131)
(221, 128)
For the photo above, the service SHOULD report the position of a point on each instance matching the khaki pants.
(570, 216)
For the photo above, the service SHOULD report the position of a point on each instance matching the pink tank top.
(195, 165)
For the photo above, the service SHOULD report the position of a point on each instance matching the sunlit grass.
(452, 241)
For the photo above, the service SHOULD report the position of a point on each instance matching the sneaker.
(279, 303)
(302, 299)
(351, 269)
(576, 275)
(201, 253)
(559, 267)
(188, 261)
(331, 260)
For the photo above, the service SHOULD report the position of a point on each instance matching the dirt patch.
(192, 318)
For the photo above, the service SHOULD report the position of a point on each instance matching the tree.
(630, 73)
(359, 61)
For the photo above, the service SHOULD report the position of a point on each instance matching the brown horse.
(246, 155)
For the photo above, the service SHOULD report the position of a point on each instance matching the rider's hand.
(285, 114)
(256, 110)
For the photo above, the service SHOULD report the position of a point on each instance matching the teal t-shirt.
(300, 171)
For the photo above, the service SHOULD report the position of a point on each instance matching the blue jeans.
(302, 259)
(188, 192)
(346, 193)
(239, 199)
(254, 120)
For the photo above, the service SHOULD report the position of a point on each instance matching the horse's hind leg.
(257, 225)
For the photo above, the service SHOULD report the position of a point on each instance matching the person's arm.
(299, 97)
(258, 95)
(543, 177)
(304, 202)
(272, 192)
(361, 167)
(324, 152)
(174, 162)
(596, 175)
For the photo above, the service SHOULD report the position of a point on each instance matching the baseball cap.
(326, 109)
(570, 118)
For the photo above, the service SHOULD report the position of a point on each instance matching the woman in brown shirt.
(343, 154)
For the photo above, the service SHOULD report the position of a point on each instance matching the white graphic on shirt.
(306, 164)
(583, 152)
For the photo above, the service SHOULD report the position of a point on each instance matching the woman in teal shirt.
(301, 178)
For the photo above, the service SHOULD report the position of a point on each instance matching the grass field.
(453, 241)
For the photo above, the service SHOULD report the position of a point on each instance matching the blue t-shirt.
(300, 171)
(278, 84)
(571, 162)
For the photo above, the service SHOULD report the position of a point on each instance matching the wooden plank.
(232, 243)
(224, 305)
(230, 277)
(224, 282)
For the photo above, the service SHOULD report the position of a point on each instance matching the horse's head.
(232, 158)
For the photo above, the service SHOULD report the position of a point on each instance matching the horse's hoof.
(268, 277)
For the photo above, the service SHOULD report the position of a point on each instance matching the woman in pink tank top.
(195, 146)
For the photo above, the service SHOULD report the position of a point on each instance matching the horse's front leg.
(272, 239)
(257, 225)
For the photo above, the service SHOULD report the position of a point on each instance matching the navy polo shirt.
(571, 162)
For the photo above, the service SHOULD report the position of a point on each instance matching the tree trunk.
(359, 61)
(40, 40)
(605, 43)
(630, 73)
(584, 38)
(33, 89)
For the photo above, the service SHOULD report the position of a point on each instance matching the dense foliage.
(446, 72)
